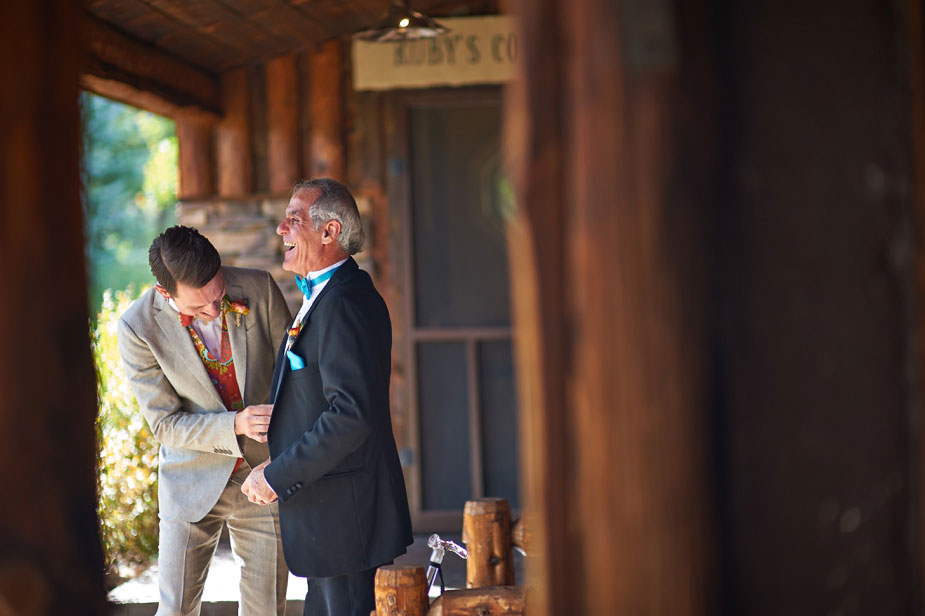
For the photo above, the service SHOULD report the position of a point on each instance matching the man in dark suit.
(335, 471)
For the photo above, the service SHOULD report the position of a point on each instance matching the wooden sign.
(476, 50)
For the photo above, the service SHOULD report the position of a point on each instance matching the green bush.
(127, 450)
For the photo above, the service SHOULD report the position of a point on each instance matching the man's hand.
(256, 488)
(254, 421)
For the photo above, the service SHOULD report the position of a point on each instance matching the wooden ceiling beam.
(119, 66)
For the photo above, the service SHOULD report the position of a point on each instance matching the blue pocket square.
(295, 362)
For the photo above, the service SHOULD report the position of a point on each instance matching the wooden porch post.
(608, 296)
(233, 138)
(282, 123)
(194, 141)
(51, 560)
(326, 106)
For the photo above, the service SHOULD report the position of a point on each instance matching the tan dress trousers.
(186, 550)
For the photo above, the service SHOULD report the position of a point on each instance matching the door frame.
(436, 520)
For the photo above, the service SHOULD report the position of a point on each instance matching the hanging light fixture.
(401, 23)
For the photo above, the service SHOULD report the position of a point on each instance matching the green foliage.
(127, 449)
(130, 186)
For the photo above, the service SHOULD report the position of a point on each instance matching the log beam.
(489, 601)
(126, 69)
(327, 111)
(282, 123)
(194, 140)
(235, 173)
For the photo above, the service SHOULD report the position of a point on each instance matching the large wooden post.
(51, 560)
(282, 123)
(608, 303)
(327, 111)
(194, 140)
(233, 140)
(487, 535)
(401, 589)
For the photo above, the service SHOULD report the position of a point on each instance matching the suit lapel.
(342, 274)
(237, 335)
(180, 341)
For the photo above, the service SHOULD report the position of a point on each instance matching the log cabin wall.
(283, 121)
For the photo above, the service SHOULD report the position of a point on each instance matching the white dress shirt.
(316, 290)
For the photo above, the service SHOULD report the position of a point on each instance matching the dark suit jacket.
(342, 501)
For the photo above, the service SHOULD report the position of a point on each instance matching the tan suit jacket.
(198, 446)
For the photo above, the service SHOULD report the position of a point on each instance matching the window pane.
(460, 255)
(499, 420)
(444, 405)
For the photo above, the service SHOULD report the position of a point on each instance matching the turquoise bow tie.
(305, 284)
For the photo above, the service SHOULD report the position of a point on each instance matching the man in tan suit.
(198, 350)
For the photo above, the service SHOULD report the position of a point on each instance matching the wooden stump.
(401, 590)
(493, 601)
(487, 535)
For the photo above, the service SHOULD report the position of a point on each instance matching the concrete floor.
(138, 597)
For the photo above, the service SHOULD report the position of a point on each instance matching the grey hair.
(335, 203)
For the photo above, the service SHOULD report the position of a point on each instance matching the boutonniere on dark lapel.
(237, 307)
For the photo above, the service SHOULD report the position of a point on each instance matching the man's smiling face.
(204, 303)
(303, 245)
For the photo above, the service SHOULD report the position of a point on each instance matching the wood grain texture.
(534, 138)
(609, 346)
(233, 138)
(282, 80)
(223, 34)
(127, 69)
(214, 20)
(196, 162)
(51, 561)
(487, 535)
(488, 601)
(326, 105)
(401, 590)
(140, 20)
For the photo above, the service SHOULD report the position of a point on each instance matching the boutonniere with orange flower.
(238, 307)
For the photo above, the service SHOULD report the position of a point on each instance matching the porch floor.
(138, 597)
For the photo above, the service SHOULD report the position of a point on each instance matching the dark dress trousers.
(342, 501)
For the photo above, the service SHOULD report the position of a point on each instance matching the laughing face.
(304, 247)
(203, 303)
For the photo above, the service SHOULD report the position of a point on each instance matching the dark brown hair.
(182, 254)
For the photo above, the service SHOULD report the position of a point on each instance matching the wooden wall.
(284, 120)
(51, 560)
